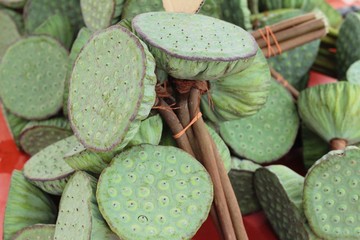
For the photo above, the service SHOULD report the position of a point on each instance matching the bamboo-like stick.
(294, 32)
(293, 43)
(209, 162)
(175, 126)
(287, 24)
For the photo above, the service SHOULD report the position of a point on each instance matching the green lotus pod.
(26, 205)
(120, 66)
(331, 196)
(194, 46)
(353, 73)
(267, 135)
(59, 27)
(154, 192)
(17, 18)
(13, 3)
(238, 95)
(279, 191)
(79, 199)
(9, 33)
(347, 51)
(331, 111)
(161, 75)
(81, 39)
(294, 64)
(82, 159)
(37, 231)
(32, 76)
(37, 135)
(100, 15)
(150, 131)
(48, 170)
(242, 177)
(14, 123)
(314, 147)
(135, 7)
(37, 11)
(237, 12)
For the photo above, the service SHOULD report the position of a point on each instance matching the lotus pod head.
(100, 15)
(242, 179)
(239, 95)
(48, 170)
(79, 198)
(353, 73)
(194, 46)
(279, 190)
(113, 63)
(25, 74)
(347, 51)
(331, 197)
(267, 135)
(154, 192)
(331, 111)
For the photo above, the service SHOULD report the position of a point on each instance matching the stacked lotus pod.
(89, 104)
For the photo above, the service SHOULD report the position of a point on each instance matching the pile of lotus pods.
(138, 119)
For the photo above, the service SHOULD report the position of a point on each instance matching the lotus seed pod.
(59, 27)
(237, 12)
(81, 39)
(294, 64)
(279, 191)
(17, 18)
(79, 198)
(314, 147)
(347, 51)
(331, 195)
(353, 73)
(238, 95)
(113, 63)
(161, 75)
(14, 123)
(150, 131)
(37, 11)
(37, 231)
(154, 192)
(190, 46)
(82, 159)
(32, 76)
(9, 33)
(267, 135)
(37, 135)
(48, 170)
(100, 15)
(13, 3)
(26, 205)
(242, 178)
(331, 111)
(134, 7)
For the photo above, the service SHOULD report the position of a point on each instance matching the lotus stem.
(338, 144)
